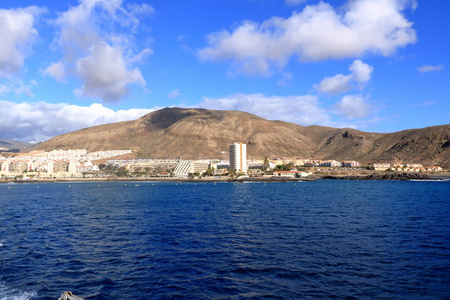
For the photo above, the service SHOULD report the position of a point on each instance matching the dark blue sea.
(153, 240)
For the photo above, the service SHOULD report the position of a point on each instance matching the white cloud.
(317, 33)
(55, 70)
(105, 75)
(174, 94)
(97, 39)
(304, 110)
(353, 107)
(361, 73)
(427, 68)
(335, 85)
(351, 112)
(39, 121)
(17, 33)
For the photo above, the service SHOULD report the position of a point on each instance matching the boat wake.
(13, 294)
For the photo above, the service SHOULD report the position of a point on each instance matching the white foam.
(428, 180)
(13, 294)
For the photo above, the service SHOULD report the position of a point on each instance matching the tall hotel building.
(238, 157)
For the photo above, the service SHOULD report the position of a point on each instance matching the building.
(351, 164)
(186, 167)
(50, 167)
(5, 166)
(330, 163)
(381, 166)
(293, 174)
(238, 157)
(255, 163)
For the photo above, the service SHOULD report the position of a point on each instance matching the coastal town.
(110, 164)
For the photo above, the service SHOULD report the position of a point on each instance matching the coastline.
(373, 176)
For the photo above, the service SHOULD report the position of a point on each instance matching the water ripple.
(325, 239)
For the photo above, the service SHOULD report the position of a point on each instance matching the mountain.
(202, 133)
(12, 146)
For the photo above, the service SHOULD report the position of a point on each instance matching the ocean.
(167, 240)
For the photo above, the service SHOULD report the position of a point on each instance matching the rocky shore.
(387, 176)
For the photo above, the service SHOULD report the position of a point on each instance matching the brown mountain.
(13, 146)
(201, 133)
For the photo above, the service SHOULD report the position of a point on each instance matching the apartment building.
(238, 157)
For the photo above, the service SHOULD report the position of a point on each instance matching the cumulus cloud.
(17, 33)
(55, 70)
(305, 110)
(427, 68)
(39, 121)
(361, 73)
(105, 74)
(317, 33)
(335, 85)
(97, 40)
(353, 107)
(352, 111)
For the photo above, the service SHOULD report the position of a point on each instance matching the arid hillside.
(202, 133)
(6, 145)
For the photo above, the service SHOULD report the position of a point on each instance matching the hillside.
(201, 133)
(15, 146)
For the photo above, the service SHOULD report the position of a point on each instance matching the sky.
(372, 65)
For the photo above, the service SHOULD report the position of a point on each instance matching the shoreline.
(364, 177)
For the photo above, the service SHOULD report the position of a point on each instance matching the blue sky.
(373, 65)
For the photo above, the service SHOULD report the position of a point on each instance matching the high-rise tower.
(238, 157)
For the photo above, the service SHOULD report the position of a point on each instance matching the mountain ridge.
(201, 133)
(7, 145)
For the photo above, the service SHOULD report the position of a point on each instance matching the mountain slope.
(201, 133)
(6, 145)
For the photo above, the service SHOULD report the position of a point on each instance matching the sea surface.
(152, 240)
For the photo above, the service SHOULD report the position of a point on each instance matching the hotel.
(238, 157)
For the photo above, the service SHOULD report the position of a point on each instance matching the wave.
(433, 180)
(14, 294)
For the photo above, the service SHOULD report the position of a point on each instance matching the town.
(79, 164)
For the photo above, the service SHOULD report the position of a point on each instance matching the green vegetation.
(208, 172)
(122, 172)
(287, 167)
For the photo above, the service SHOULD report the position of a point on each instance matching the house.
(381, 166)
(291, 174)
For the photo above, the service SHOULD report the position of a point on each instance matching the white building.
(50, 167)
(381, 166)
(330, 163)
(238, 157)
(186, 167)
(5, 166)
(72, 166)
(352, 164)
